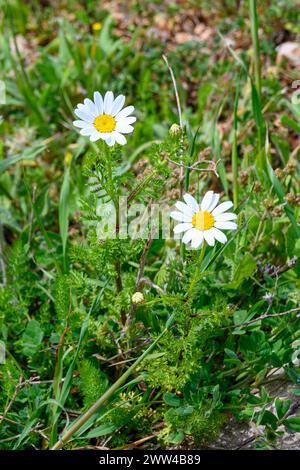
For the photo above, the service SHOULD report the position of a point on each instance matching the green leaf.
(282, 406)
(290, 241)
(64, 209)
(293, 375)
(172, 400)
(282, 147)
(257, 113)
(176, 437)
(184, 410)
(230, 353)
(32, 338)
(293, 424)
(102, 430)
(246, 268)
(286, 121)
(268, 418)
(28, 154)
(106, 43)
(253, 342)
(281, 194)
(240, 316)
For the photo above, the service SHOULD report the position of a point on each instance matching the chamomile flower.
(203, 221)
(104, 118)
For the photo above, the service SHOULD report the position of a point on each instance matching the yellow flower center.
(105, 123)
(203, 220)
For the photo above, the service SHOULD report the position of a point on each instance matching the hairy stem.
(198, 269)
(114, 196)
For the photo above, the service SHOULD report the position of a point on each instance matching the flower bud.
(268, 203)
(290, 167)
(277, 211)
(137, 298)
(175, 130)
(257, 186)
(243, 178)
(290, 198)
(279, 172)
(68, 158)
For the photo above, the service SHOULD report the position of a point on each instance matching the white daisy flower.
(203, 221)
(104, 118)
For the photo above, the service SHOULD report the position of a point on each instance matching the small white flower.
(104, 118)
(203, 221)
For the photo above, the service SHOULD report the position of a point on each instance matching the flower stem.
(186, 190)
(114, 197)
(198, 269)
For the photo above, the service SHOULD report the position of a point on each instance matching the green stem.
(103, 399)
(187, 180)
(234, 152)
(255, 41)
(260, 227)
(111, 189)
(198, 269)
(186, 190)
(234, 164)
(114, 196)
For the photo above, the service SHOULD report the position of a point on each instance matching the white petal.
(184, 208)
(88, 130)
(182, 227)
(225, 216)
(90, 106)
(226, 225)
(220, 236)
(207, 200)
(197, 239)
(209, 237)
(214, 202)
(83, 107)
(222, 208)
(110, 140)
(120, 127)
(191, 201)
(80, 124)
(117, 105)
(95, 136)
(124, 113)
(120, 139)
(188, 236)
(180, 217)
(105, 135)
(129, 120)
(98, 102)
(108, 102)
(84, 115)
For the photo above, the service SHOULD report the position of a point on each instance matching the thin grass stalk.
(234, 153)
(184, 179)
(255, 42)
(108, 394)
